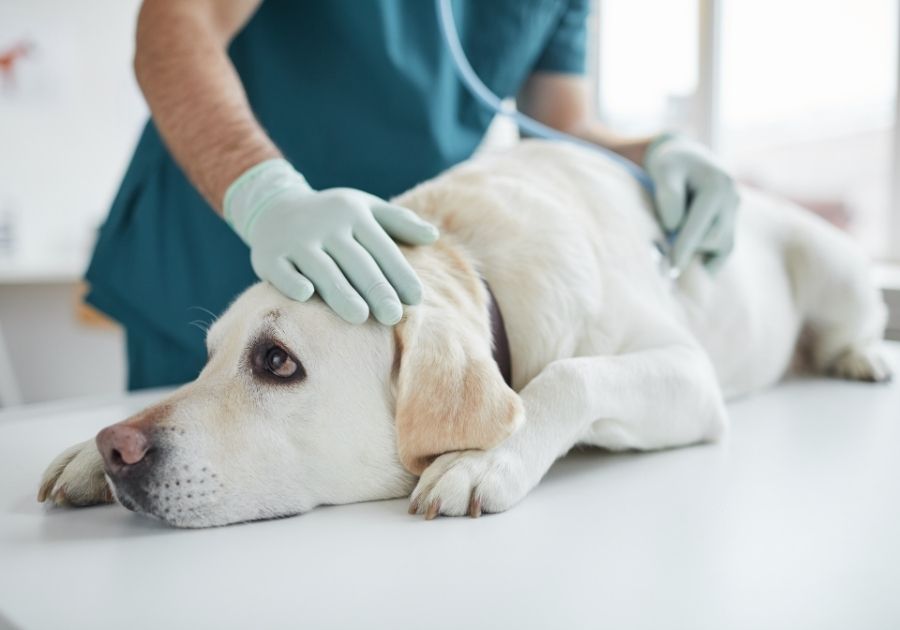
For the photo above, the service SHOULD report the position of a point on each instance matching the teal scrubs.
(357, 93)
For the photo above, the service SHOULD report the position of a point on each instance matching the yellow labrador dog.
(296, 408)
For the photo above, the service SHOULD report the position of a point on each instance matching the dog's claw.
(471, 483)
(75, 478)
(474, 506)
(413, 507)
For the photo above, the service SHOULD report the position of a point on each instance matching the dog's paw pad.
(862, 364)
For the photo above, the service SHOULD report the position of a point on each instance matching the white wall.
(70, 119)
(68, 124)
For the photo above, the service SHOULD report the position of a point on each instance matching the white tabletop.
(793, 522)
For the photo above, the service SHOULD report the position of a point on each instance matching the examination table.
(792, 522)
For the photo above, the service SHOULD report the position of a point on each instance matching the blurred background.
(799, 97)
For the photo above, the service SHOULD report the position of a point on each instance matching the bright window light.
(806, 95)
(648, 68)
(808, 105)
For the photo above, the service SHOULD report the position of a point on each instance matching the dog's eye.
(280, 363)
(272, 361)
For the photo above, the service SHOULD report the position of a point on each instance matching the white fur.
(606, 351)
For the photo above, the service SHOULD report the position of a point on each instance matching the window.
(642, 89)
(797, 96)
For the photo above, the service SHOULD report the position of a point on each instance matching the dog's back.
(564, 238)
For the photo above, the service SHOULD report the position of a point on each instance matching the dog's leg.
(844, 311)
(644, 400)
(76, 478)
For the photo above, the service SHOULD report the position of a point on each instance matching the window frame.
(894, 238)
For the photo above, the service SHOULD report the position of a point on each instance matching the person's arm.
(337, 242)
(194, 93)
(561, 101)
(696, 199)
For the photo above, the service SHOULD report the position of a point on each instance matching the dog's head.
(296, 408)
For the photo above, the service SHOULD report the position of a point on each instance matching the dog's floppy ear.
(449, 391)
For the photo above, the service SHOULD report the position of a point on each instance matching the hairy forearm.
(195, 95)
(561, 101)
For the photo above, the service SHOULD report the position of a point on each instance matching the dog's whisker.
(199, 323)
(215, 317)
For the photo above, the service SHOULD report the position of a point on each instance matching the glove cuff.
(249, 194)
(657, 142)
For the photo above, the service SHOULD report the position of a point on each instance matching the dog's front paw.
(470, 482)
(76, 478)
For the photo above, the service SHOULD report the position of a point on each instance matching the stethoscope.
(484, 95)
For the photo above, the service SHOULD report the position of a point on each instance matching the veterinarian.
(295, 121)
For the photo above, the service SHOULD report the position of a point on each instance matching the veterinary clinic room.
(532, 314)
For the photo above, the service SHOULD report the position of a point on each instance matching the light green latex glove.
(336, 242)
(696, 200)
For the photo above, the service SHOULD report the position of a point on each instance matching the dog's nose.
(122, 445)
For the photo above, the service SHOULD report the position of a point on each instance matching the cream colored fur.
(605, 350)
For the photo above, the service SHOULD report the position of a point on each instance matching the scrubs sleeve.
(566, 49)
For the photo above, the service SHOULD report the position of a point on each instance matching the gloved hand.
(696, 200)
(337, 242)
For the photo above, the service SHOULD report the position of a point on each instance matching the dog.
(296, 408)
